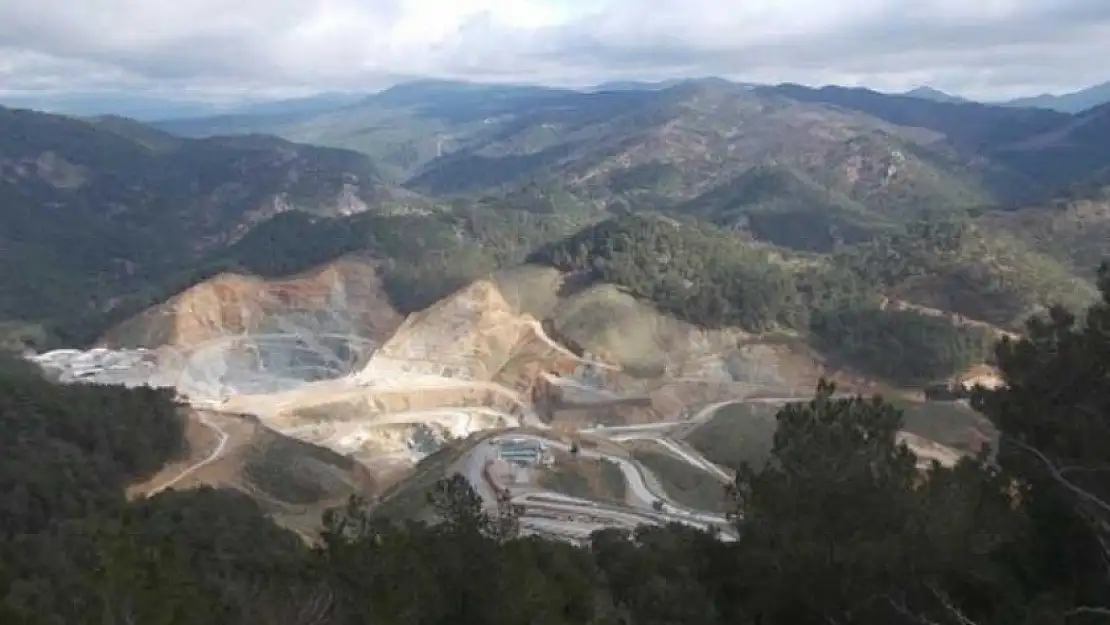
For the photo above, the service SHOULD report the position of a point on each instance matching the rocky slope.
(341, 297)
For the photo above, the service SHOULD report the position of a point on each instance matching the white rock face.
(222, 367)
(129, 367)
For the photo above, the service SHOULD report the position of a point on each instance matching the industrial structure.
(523, 452)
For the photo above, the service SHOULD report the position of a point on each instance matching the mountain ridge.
(1073, 102)
(114, 202)
(421, 132)
(809, 169)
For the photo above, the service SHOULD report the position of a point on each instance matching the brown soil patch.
(230, 304)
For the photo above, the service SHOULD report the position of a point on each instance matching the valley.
(534, 312)
(607, 341)
(498, 354)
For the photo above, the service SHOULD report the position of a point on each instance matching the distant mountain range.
(627, 144)
(928, 93)
(153, 108)
(442, 137)
(149, 108)
(1075, 102)
(793, 166)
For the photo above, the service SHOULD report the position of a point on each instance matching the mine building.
(523, 452)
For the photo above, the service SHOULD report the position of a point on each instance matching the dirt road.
(221, 445)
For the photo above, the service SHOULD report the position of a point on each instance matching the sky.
(215, 49)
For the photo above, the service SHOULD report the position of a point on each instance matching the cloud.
(984, 48)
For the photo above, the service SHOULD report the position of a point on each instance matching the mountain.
(935, 95)
(636, 85)
(133, 105)
(668, 147)
(1071, 150)
(969, 126)
(786, 207)
(660, 145)
(149, 108)
(807, 169)
(402, 127)
(466, 99)
(1073, 227)
(1074, 102)
(95, 210)
(307, 105)
(1034, 152)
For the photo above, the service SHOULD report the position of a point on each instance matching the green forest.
(839, 527)
(708, 277)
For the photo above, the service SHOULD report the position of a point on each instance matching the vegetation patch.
(299, 473)
(693, 271)
(740, 433)
(588, 478)
(408, 499)
(683, 482)
(954, 265)
(744, 432)
(906, 347)
(784, 206)
(953, 424)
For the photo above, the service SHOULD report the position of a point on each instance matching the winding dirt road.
(221, 445)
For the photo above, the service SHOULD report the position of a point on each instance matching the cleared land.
(586, 478)
(744, 432)
(683, 482)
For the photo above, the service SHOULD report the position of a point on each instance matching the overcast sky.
(978, 48)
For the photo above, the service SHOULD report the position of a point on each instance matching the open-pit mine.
(475, 385)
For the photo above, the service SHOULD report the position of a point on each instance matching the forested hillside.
(692, 270)
(840, 526)
(93, 211)
(784, 206)
(664, 145)
(706, 276)
(1073, 227)
(667, 147)
(972, 270)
